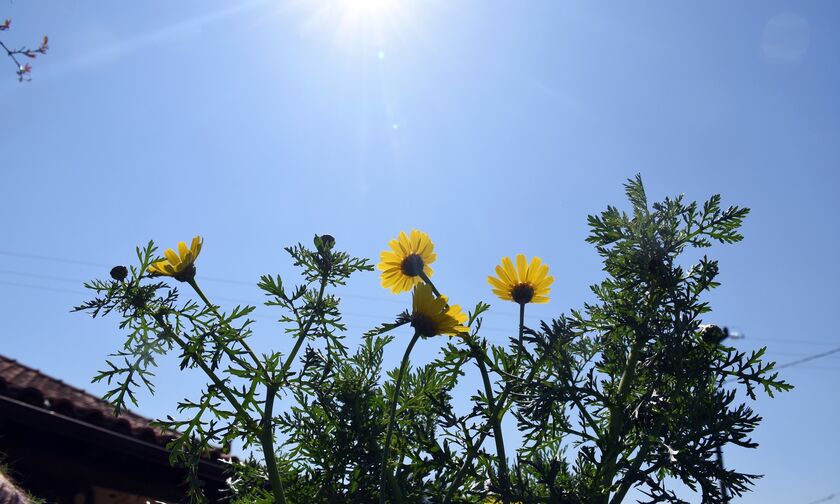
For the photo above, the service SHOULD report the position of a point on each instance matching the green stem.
(383, 479)
(589, 420)
(241, 341)
(631, 477)
(501, 406)
(267, 435)
(497, 414)
(304, 331)
(426, 279)
(267, 442)
(611, 449)
(204, 367)
(504, 479)
(495, 418)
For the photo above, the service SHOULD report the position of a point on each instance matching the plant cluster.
(630, 391)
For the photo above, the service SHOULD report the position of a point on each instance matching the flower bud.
(713, 334)
(324, 242)
(119, 273)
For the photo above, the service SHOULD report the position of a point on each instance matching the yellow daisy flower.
(409, 256)
(525, 283)
(181, 266)
(432, 315)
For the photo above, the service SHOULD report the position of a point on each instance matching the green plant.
(627, 392)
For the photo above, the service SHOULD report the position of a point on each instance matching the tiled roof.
(33, 387)
(9, 493)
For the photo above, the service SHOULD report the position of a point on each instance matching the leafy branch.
(23, 70)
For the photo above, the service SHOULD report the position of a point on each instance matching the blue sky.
(496, 127)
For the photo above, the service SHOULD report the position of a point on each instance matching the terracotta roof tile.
(29, 385)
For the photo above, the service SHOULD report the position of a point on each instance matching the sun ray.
(360, 24)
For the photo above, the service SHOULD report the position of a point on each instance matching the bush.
(631, 391)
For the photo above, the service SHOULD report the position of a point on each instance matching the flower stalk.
(386, 450)
(267, 442)
(616, 410)
(495, 420)
(221, 319)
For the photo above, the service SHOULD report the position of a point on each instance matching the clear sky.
(496, 127)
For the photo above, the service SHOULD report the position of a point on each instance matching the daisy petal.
(405, 244)
(414, 241)
(521, 267)
(504, 277)
(545, 283)
(495, 282)
(504, 295)
(172, 257)
(533, 269)
(507, 264)
(195, 246)
(540, 275)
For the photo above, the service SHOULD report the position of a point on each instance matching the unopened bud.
(712, 334)
(324, 242)
(119, 273)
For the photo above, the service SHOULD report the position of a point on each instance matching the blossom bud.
(324, 242)
(119, 273)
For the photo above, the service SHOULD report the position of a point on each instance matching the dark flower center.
(522, 293)
(423, 324)
(412, 265)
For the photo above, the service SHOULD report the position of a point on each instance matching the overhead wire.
(824, 499)
(250, 284)
(208, 278)
(808, 358)
(262, 315)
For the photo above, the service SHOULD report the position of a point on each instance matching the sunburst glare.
(355, 25)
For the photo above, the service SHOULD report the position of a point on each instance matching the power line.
(824, 499)
(263, 315)
(40, 287)
(347, 295)
(45, 277)
(259, 303)
(208, 278)
(790, 340)
(51, 258)
(797, 362)
(260, 314)
(774, 352)
(808, 359)
(811, 367)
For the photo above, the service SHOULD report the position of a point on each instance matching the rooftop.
(31, 386)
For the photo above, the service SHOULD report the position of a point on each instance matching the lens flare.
(360, 24)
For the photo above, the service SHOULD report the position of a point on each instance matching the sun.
(359, 24)
(376, 17)
(369, 8)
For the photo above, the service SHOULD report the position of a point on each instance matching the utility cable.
(208, 278)
(348, 295)
(824, 499)
(808, 359)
